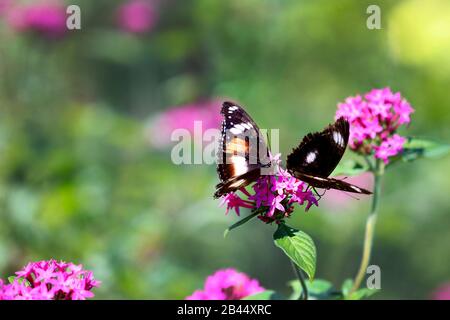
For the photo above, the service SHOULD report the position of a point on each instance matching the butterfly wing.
(242, 150)
(318, 155)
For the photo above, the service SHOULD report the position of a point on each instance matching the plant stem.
(370, 226)
(298, 273)
(240, 222)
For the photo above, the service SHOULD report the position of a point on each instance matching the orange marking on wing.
(237, 146)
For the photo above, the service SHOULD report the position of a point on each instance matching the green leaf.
(346, 287)
(416, 148)
(265, 295)
(361, 294)
(11, 279)
(298, 246)
(239, 223)
(296, 289)
(350, 168)
(358, 294)
(317, 290)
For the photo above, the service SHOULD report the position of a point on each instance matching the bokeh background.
(86, 115)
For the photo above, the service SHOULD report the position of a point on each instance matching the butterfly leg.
(317, 193)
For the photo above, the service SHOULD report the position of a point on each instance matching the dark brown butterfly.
(242, 150)
(318, 155)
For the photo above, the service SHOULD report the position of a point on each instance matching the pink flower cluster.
(274, 195)
(50, 280)
(47, 17)
(137, 16)
(227, 284)
(374, 120)
(183, 117)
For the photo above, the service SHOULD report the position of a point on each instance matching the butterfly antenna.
(351, 195)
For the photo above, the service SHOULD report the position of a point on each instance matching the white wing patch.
(239, 165)
(235, 130)
(337, 137)
(311, 156)
(240, 128)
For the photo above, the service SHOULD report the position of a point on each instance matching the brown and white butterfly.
(242, 152)
(318, 155)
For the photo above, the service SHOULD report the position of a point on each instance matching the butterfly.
(318, 155)
(242, 150)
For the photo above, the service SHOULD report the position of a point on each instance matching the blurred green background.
(80, 180)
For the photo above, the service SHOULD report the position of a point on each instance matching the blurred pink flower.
(137, 16)
(374, 120)
(50, 280)
(161, 127)
(47, 17)
(275, 194)
(442, 293)
(227, 284)
(5, 5)
(336, 200)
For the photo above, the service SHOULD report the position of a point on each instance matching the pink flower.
(374, 120)
(233, 201)
(227, 284)
(44, 16)
(160, 129)
(50, 280)
(274, 195)
(390, 147)
(137, 16)
(442, 293)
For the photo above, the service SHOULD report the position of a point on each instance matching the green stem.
(370, 227)
(369, 164)
(298, 274)
(240, 222)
